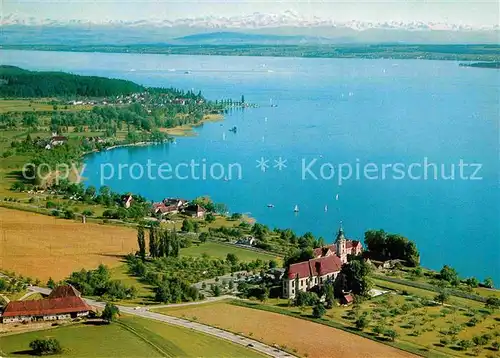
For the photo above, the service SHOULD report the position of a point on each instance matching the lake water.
(336, 111)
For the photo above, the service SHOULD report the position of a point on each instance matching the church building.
(325, 265)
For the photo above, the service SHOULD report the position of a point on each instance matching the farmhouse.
(64, 291)
(64, 302)
(50, 309)
(196, 211)
(325, 265)
(169, 206)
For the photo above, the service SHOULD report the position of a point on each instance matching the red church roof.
(300, 268)
(320, 266)
(46, 307)
(325, 265)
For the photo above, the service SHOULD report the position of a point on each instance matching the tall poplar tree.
(141, 241)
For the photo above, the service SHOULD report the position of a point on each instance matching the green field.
(131, 337)
(220, 251)
(25, 105)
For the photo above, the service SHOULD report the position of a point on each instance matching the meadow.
(129, 337)
(297, 336)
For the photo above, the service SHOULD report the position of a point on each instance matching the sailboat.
(326, 208)
(296, 209)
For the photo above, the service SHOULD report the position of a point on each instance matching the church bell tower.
(340, 245)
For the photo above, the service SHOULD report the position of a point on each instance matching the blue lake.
(370, 114)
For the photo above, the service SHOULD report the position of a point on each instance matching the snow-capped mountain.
(252, 21)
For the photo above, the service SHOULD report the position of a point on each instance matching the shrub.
(46, 346)
(391, 334)
(465, 344)
(362, 322)
(305, 298)
(110, 312)
(50, 204)
(319, 310)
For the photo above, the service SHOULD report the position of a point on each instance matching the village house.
(326, 265)
(195, 211)
(162, 209)
(169, 206)
(127, 200)
(247, 241)
(64, 303)
(55, 140)
(179, 203)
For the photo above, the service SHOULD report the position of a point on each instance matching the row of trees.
(162, 243)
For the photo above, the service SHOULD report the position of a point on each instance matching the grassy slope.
(220, 251)
(131, 337)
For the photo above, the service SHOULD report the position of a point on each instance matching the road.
(219, 333)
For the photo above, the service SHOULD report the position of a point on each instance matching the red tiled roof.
(301, 269)
(348, 298)
(352, 243)
(320, 251)
(64, 291)
(46, 307)
(58, 138)
(325, 265)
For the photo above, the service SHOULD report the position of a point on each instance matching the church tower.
(340, 245)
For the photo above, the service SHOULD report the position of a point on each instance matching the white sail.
(296, 209)
(337, 197)
(326, 208)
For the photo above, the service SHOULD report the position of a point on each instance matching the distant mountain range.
(286, 28)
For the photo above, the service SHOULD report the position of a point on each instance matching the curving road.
(219, 333)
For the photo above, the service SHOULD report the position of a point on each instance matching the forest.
(18, 82)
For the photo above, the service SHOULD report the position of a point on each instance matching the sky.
(466, 12)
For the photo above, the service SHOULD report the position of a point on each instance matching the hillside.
(229, 38)
(17, 82)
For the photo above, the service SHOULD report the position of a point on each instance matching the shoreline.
(424, 52)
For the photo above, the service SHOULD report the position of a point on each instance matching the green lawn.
(131, 337)
(180, 342)
(218, 250)
(84, 341)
